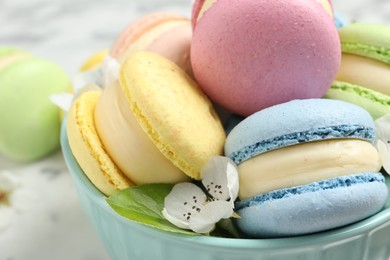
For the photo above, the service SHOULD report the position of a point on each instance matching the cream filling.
(4, 62)
(305, 163)
(149, 37)
(206, 5)
(327, 7)
(365, 72)
(128, 145)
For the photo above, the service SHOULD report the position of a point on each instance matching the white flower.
(62, 100)
(103, 76)
(12, 198)
(187, 206)
(382, 142)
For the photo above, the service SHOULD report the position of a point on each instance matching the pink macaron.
(249, 55)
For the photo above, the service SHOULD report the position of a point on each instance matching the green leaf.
(144, 204)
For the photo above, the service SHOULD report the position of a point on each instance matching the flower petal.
(220, 178)
(182, 203)
(205, 220)
(8, 181)
(382, 128)
(81, 79)
(6, 215)
(110, 70)
(384, 153)
(174, 220)
(232, 180)
(62, 100)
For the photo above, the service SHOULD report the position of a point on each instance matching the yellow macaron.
(94, 61)
(87, 147)
(156, 123)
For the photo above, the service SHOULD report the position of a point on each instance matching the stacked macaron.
(364, 75)
(153, 125)
(305, 166)
(30, 123)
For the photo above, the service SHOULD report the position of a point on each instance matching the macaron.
(339, 20)
(305, 166)
(250, 55)
(30, 123)
(364, 74)
(156, 123)
(94, 61)
(163, 33)
(87, 147)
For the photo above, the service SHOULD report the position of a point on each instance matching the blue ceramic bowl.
(124, 239)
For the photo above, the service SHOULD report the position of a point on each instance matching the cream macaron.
(153, 125)
(156, 123)
(87, 147)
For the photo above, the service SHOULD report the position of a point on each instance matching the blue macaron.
(339, 20)
(315, 206)
(297, 121)
(312, 208)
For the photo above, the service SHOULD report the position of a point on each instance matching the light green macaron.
(376, 103)
(29, 122)
(366, 39)
(364, 75)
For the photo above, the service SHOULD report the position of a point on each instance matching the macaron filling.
(363, 92)
(365, 72)
(305, 163)
(370, 51)
(330, 132)
(327, 7)
(332, 183)
(128, 145)
(206, 5)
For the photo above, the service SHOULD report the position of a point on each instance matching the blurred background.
(52, 225)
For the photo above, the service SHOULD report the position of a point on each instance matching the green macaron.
(364, 74)
(376, 103)
(30, 123)
(366, 39)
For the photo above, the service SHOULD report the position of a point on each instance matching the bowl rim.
(331, 236)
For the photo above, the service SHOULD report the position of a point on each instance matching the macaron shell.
(94, 61)
(10, 58)
(87, 147)
(175, 45)
(30, 123)
(314, 209)
(139, 27)
(173, 111)
(339, 20)
(5, 51)
(295, 122)
(377, 104)
(197, 5)
(366, 39)
(250, 56)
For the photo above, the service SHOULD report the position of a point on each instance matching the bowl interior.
(86, 188)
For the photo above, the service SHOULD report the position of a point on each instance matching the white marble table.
(53, 226)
